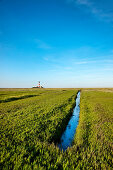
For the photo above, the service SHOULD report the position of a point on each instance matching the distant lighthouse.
(39, 85)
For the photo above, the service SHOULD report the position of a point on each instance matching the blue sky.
(62, 43)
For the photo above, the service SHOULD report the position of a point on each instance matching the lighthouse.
(39, 85)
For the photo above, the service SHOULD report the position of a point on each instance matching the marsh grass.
(31, 127)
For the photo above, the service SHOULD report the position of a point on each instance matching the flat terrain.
(32, 121)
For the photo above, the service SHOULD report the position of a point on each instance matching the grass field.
(32, 121)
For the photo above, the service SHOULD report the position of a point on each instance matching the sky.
(62, 43)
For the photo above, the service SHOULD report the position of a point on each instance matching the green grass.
(32, 121)
(94, 135)
(29, 125)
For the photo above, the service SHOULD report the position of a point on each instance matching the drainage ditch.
(69, 133)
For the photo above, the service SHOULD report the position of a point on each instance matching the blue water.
(68, 135)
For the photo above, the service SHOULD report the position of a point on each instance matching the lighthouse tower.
(39, 85)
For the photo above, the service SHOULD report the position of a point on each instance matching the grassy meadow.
(32, 121)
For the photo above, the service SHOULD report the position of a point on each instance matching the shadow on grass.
(16, 98)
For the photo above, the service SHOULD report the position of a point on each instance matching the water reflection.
(68, 135)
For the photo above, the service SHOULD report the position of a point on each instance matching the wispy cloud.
(79, 56)
(94, 9)
(102, 15)
(93, 61)
(42, 45)
(84, 2)
(46, 58)
(68, 68)
(81, 62)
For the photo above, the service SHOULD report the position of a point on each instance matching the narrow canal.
(68, 135)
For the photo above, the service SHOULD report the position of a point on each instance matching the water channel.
(68, 135)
